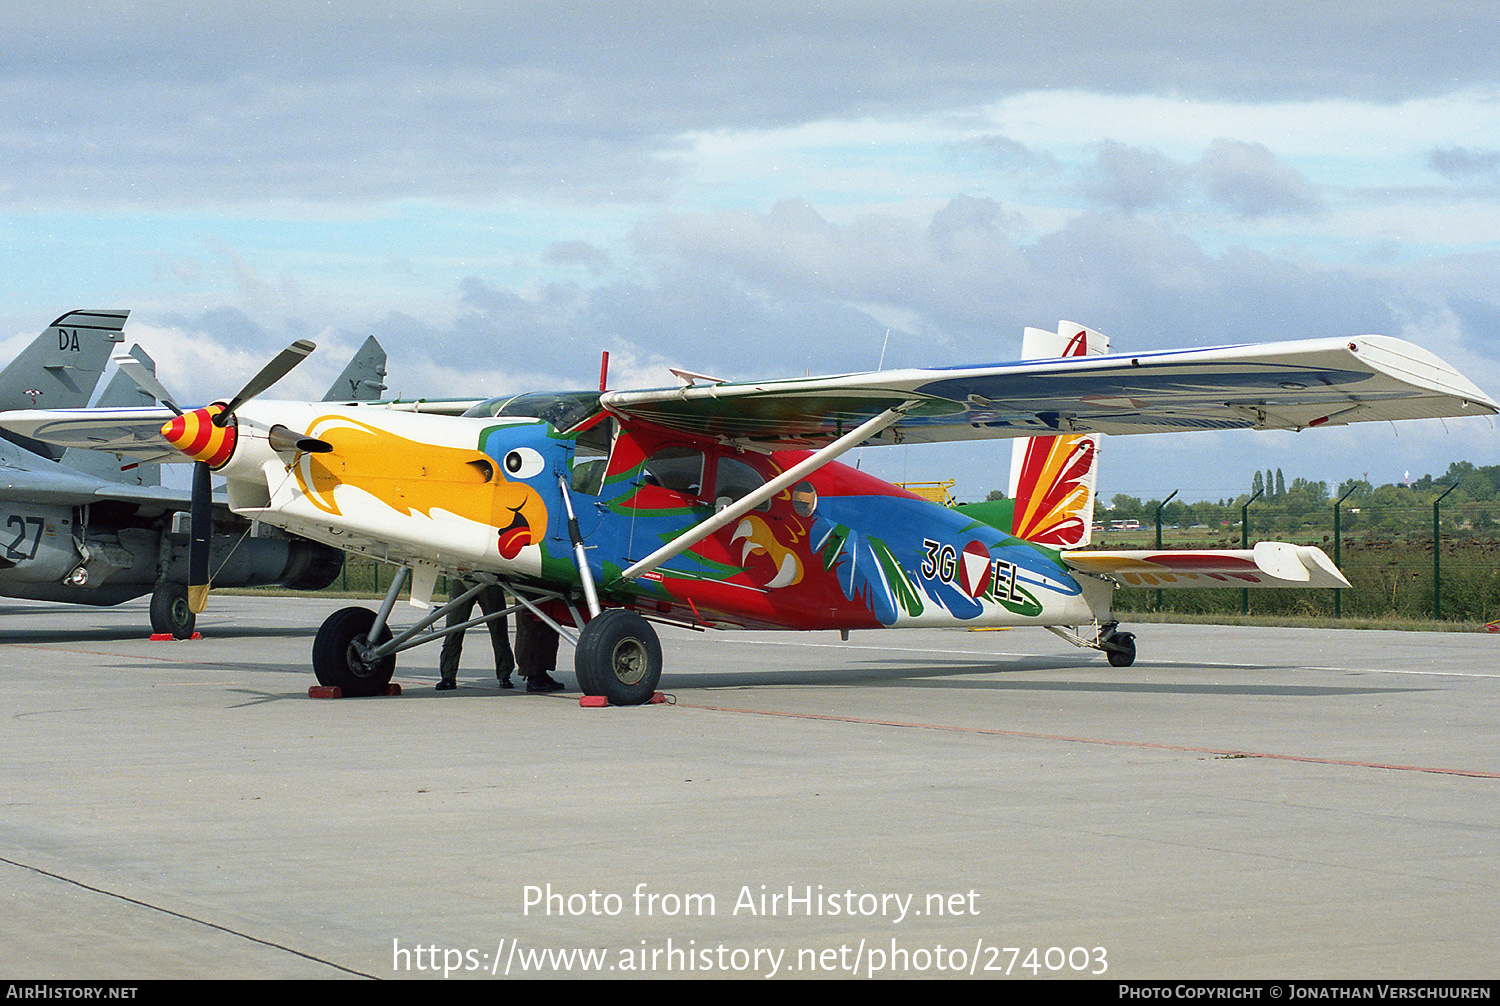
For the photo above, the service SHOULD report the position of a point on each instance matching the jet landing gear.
(1118, 647)
(170, 613)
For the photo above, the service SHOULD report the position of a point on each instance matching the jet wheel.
(336, 654)
(170, 613)
(619, 657)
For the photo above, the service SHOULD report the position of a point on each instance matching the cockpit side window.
(588, 471)
(591, 458)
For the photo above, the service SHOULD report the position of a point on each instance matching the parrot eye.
(523, 462)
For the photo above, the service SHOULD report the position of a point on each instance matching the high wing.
(1287, 385)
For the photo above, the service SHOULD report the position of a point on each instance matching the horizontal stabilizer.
(1269, 564)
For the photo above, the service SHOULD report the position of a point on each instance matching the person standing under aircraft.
(536, 653)
(491, 599)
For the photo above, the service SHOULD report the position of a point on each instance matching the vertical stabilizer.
(363, 379)
(61, 367)
(1052, 479)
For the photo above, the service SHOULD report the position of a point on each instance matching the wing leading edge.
(1288, 385)
(1285, 386)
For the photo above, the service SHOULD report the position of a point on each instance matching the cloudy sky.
(501, 191)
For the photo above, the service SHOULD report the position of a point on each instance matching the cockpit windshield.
(562, 409)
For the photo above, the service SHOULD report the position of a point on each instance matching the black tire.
(337, 662)
(619, 657)
(1124, 656)
(170, 613)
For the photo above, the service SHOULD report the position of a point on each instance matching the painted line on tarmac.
(1100, 741)
(881, 649)
(90, 653)
(1391, 670)
(1142, 665)
(179, 915)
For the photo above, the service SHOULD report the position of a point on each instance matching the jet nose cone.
(194, 434)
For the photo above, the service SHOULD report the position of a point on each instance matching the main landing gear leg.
(1118, 647)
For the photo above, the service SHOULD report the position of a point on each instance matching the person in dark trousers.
(536, 653)
(490, 600)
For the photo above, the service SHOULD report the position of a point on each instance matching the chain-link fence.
(1386, 552)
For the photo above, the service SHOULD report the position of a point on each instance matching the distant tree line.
(1472, 505)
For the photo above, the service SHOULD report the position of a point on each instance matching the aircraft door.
(668, 497)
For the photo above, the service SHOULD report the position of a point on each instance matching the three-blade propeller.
(207, 435)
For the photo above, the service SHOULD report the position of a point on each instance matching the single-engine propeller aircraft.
(722, 505)
(85, 527)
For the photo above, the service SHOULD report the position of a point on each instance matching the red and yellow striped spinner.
(194, 434)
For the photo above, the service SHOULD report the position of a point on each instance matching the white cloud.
(501, 191)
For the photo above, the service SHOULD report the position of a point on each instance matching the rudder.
(61, 367)
(1052, 479)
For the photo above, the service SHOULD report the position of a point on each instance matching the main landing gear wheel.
(170, 613)
(337, 658)
(619, 657)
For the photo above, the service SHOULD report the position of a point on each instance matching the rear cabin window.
(734, 479)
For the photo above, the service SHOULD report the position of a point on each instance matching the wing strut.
(786, 479)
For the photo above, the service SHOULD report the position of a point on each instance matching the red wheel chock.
(599, 701)
(335, 692)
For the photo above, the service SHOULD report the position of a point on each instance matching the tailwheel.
(170, 613)
(338, 654)
(619, 657)
(1118, 647)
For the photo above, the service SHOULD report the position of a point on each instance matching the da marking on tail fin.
(60, 368)
(1052, 478)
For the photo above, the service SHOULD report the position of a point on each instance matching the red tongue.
(512, 540)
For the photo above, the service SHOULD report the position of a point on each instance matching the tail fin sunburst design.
(1055, 491)
(1052, 478)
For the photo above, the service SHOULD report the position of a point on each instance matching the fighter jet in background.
(88, 527)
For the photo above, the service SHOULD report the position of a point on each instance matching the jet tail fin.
(363, 379)
(61, 367)
(1052, 479)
